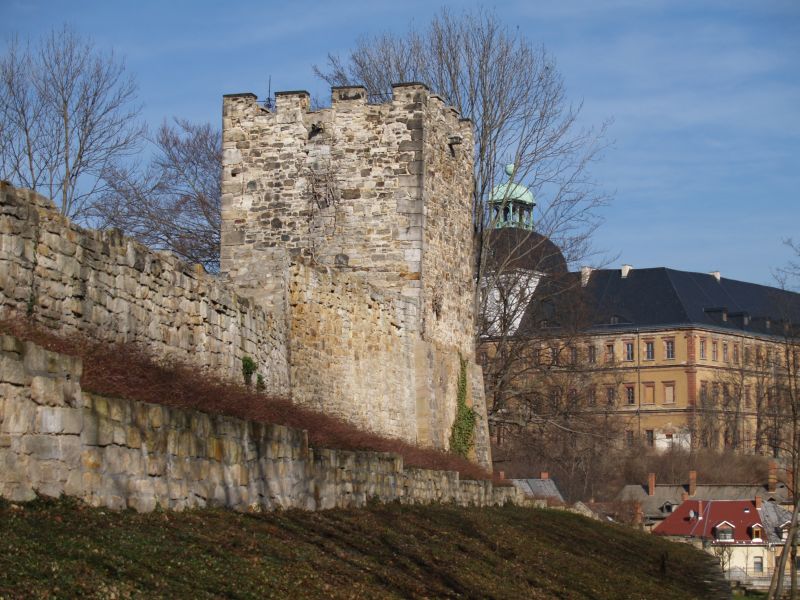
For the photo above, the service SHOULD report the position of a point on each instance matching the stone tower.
(354, 223)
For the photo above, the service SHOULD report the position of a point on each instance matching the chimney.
(758, 502)
(692, 482)
(544, 475)
(651, 484)
(684, 496)
(585, 274)
(716, 275)
(699, 510)
(625, 270)
(501, 475)
(772, 482)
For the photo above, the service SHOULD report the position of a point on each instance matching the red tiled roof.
(742, 514)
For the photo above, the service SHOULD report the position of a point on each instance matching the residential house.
(657, 501)
(745, 535)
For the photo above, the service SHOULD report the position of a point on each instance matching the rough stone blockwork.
(368, 208)
(117, 453)
(112, 288)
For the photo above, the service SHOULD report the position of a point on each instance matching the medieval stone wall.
(350, 342)
(112, 288)
(55, 439)
(367, 207)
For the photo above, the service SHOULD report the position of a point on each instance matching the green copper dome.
(511, 192)
(511, 204)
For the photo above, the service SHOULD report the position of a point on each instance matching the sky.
(703, 162)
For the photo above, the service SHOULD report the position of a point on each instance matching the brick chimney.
(544, 475)
(758, 502)
(651, 484)
(692, 482)
(772, 482)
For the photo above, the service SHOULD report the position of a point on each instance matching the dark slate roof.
(660, 505)
(516, 248)
(662, 296)
(538, 488)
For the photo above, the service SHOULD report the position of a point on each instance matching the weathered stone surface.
(355, 222)
(112, 288)
(181, 459)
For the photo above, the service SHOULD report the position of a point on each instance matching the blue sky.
(704, 168)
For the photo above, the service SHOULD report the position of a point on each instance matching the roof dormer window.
(756, 533)
(724, 532)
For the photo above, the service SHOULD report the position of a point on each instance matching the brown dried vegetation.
(127, 371)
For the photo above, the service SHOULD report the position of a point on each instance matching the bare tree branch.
(174, 202)
(68, 114)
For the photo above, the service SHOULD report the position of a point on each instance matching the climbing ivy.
(461, 436)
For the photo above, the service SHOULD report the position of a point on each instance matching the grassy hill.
(63, 549)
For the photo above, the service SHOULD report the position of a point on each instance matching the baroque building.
(678, 358)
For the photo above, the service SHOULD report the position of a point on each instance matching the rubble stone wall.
(55, 438)
(367, 208)
(113, 288)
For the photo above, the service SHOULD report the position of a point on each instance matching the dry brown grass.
(127, 371)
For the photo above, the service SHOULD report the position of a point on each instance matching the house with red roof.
(745, 535)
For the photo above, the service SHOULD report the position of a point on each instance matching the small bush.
(248, 368)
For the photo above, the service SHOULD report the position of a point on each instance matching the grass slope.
(63, 549)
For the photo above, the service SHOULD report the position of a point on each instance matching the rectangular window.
(702, 347)
(592, 353)
(669, 349)
(748, 400)
(629, 439)
(669, 393)
(758, 564)
(747, 355)
(669, 438)
(649, 393)
(736, 353)
(610, 395)
(592, 396)
(609, 352)
(554, 356)
(649, 351)
(628, 351)
(630, 394)
(573, 355)
(650, 437)
(703, 391)
(725, 351)
(714, 351)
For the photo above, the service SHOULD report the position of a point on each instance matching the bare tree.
(516, 100)
(68, 115)
(783, 361)
(174, 202)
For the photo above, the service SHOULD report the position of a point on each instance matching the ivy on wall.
(462, 434)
